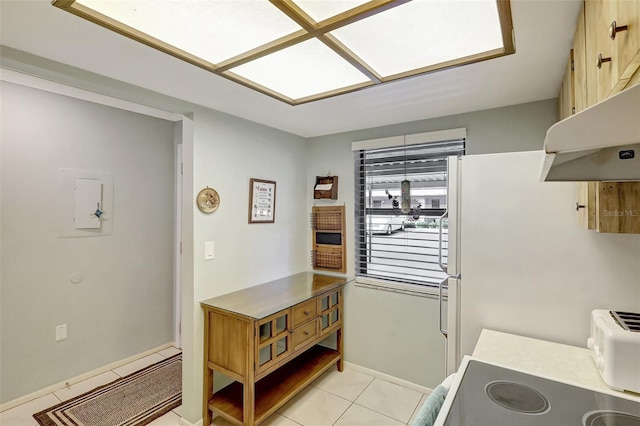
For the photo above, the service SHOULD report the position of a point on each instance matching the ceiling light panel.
(305, 69)
(422, 33)
(321, 10)
(262, 43)
(211, 30)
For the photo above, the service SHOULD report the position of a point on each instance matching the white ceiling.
(543, 32)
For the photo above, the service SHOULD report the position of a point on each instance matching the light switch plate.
(209, 250)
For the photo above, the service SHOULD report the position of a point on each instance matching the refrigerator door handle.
(443, 266)
(444, 332)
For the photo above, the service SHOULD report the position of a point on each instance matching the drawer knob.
(614, 29)
(601, 60)
(307, 312)
(306, 333)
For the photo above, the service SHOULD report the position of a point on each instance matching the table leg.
(248, 406)
(340, 347)
(208, 394)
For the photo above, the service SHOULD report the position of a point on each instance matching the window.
(392, 246)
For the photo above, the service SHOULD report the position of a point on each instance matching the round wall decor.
(208, 200)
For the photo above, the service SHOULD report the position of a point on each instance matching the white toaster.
(615, 347)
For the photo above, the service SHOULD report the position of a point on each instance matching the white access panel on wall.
(86, 203)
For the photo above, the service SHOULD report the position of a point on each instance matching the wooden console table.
(266, 339)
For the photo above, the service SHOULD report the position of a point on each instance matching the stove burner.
(517, 397)
(610, 418)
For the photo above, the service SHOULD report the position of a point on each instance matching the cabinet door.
(586, 205)
(580, 65)
(565, 101)
(618, 207)
(598, 17)
(273, 339)
(330, 308)
(626, 40)
(635, 79)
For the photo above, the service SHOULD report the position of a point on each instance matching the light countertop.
(569, 364)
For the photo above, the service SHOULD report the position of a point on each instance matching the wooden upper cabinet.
(626, 38)
(610, 207)
(612, 46)
(604, 63)
(635, 79)
(580, 65)
(618, 207)
(586, 204)
(566, 101)
(598, 16)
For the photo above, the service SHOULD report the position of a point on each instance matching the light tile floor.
(350, 398)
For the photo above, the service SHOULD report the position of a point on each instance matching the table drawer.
(305, 334)
(303, 312)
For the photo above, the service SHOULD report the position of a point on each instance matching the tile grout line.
(373, 378)
(365, 388)
(340, 416)
(415, 410)
(327, 392)
(386, 415)
(382, 414)
(354, 400)
(280, 414)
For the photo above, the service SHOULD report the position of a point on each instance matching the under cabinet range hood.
(601, 143)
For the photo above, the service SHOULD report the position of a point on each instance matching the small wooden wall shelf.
(331, 194)
(329, 245)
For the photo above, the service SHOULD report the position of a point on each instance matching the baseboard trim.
(49, 389)
(388, 378)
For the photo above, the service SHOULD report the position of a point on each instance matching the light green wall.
(123, 306)
(392, 333)
(223, 152)
(512, 128)
(227, 152)
(398, 334)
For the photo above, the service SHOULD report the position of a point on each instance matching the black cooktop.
(495, 396)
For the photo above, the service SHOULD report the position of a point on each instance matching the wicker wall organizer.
(328, 227)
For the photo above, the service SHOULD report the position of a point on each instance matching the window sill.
(404, 288)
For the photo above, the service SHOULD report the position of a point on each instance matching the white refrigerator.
(511, 239)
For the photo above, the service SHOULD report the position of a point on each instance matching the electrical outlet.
(61, 332)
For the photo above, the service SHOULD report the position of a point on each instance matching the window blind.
(391, 245)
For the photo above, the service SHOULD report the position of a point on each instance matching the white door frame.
(177, 277)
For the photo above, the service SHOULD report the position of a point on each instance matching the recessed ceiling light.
(300, 51)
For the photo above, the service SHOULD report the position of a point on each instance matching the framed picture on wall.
(262, 201)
